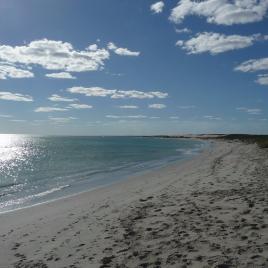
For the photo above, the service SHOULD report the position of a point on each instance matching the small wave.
(22, 200)
(50, 191)
(80, 176)
(8, 185)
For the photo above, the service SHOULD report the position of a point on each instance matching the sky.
(113, 67)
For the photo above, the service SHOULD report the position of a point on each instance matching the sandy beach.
(210, 211)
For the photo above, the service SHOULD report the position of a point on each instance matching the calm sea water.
(37, 169)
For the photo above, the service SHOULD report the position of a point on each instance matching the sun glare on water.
(13, 148)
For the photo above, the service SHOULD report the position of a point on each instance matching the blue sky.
(109, 67)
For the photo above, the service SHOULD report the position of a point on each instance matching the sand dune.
(211, 211)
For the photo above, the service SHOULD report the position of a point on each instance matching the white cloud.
(49, 109)
(62, 75)
(254, 111)
(174, 117)
(212, 117)
(93, 47)
(61, 120)
(253, 65)
(136, 116)
(251, 111)
(215, 43)
(262, 79)
(9, 71)
(122, 51)
(157, 106)
(18, 120)
(54, 55)
(92, 91)
(5, 116)
(120, 94)
(116, 94)
(80, 106)
(128, 107)
(111, 46)
(5, 95)
(114, 116)
(226, 12)
(157, 7)
(57, 98)
(126, 116)
(183, 30)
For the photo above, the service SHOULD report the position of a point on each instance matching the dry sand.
(211, 211)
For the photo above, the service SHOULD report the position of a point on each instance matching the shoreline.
(181, 215)
(163, 164)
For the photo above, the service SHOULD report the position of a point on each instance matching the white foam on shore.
(24, 199)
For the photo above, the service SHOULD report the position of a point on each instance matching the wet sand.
(210, 211)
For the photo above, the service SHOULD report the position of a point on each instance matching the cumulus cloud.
(262, 79)
(9, 71)
(226, 12)
(54, 55)
(126, 116)
(253, 65)
(122, 51)
(250, 111)
(5, 95)
(157, 106)
(61, 75)
(57, 98)
(215, 43)
(93, 47)
(128, 107)
(157, 7)
(49, 109)
(117, 94)
(80, 106)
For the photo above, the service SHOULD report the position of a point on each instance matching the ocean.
(36, 169)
